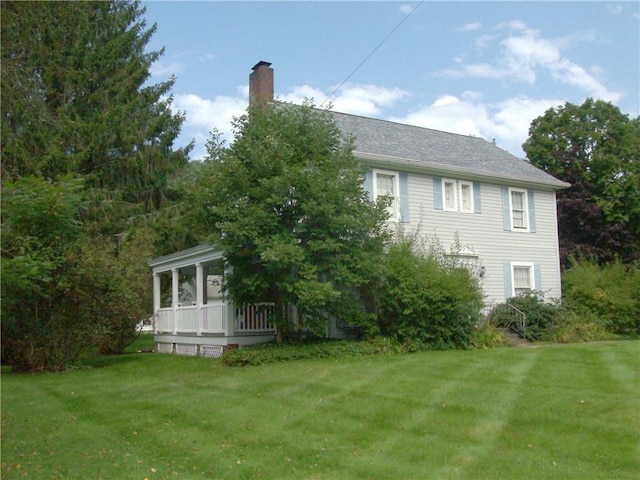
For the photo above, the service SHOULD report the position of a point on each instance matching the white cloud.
(507, 122)
(524, 55)
(203, 115)
(471, 27)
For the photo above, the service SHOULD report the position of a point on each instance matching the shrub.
(540, 316)
(610, 292)
(283, 352)
(488, 334)
(424, 302)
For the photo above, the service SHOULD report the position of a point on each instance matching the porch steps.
(515, 340)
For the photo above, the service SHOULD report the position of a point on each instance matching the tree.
(87, 157)
(286, 204)
(596, 148)
(75, 101)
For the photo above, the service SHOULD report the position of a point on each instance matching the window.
(386, 185)
(519, 218)
(466, 197)
(456, 195)
(522, 278)
(450, 197)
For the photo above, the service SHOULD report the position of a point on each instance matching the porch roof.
(200, 254)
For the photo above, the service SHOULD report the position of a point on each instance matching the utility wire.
(371, 53)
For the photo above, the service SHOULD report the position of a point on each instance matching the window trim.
(525, 210)
(395, 217)
(532, 276)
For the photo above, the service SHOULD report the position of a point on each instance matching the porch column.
(199, 297)
(231, 308)
(156, 300)
(175, 290)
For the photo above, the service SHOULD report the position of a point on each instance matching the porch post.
(175, 289)
(199, 297)
(156, 300)
(231, 308)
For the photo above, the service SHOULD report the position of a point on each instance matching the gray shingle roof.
(382, 142)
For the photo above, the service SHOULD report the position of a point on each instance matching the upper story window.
(450, 195)
(466, 197)
(519, 209)
(457, 195)
(386, 185)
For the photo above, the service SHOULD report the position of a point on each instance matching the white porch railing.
(214, 318)
(254, 318)
(211, 318)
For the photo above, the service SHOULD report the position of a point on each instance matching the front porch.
(191, 314)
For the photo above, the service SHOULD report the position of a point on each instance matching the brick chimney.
(261, 84)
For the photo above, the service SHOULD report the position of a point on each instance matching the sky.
(475, 68)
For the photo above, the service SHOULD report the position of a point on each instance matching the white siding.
(484, 233)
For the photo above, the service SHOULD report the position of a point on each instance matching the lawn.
(548, 412)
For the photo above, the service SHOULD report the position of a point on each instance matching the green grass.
(548, 412)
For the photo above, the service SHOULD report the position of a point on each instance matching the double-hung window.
(466, 197)
(519, 217)
(523, 280)
(450, 194)
(386, 185)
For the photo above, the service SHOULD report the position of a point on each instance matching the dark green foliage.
(87, 157)
(609, 292)
(63, 291)
(283, 352)
(540, 316)
(285, 202)
(596, 148)
(424, 302)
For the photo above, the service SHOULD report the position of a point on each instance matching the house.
(480, 203)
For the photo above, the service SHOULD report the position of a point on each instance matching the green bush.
(424, 303)
(488, 334)
(610, 292)
(283, 352)
(540, 316)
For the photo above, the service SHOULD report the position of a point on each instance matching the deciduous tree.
(286, 203)
(596, 148)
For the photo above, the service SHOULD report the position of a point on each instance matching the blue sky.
(475, 68)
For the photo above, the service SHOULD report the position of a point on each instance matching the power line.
(371, 53)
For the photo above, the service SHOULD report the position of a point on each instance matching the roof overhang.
(184, 258)
(434, 168)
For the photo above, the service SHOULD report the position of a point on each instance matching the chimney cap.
(260, 64)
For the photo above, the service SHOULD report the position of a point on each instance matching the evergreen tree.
(75, 101)
(87, 148)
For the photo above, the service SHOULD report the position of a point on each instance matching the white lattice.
(186, 349)
(165, 347)
(211, 350)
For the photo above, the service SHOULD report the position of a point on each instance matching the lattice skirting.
(211, 350)
(164, 347)
(186, 349)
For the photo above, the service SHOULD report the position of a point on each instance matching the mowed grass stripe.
(500, 413)
(573, 418)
